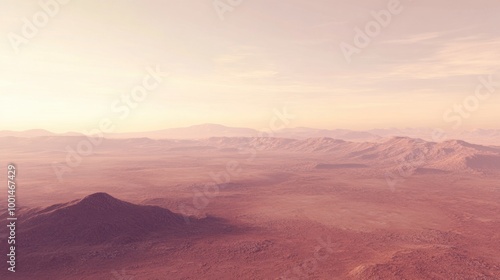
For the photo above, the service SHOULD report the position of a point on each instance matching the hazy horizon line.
(253, 128)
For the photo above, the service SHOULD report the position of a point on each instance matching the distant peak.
(400, 138)
(461, 143)
(38, 130)
(100, 199)
(458, 142)
(404, 139)
(209, 125)
(99, 195)
(325, 139)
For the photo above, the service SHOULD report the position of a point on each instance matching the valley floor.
(284, 218)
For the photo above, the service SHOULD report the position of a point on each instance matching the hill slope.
(97, 218)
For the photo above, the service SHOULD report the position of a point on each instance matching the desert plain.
(254, 208)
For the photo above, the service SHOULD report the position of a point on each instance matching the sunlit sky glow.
(265, 55)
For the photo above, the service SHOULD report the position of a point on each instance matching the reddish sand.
(284, 209)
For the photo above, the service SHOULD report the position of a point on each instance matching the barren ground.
(283, 216)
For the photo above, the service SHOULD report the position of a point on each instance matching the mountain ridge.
(207, 130)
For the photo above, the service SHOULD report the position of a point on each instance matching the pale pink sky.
(265, 54)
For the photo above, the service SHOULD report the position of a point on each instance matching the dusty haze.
(238, 139)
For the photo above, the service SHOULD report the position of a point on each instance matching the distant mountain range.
(479, 136)
(450, 155)
(35, 133)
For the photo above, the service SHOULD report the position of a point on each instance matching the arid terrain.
(254, 208)
(250, 140)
